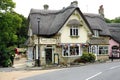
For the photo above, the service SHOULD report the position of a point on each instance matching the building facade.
(60, 36)
(57, 36)
(114, 47)
(99, 42)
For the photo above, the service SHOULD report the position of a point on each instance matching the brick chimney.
(101, 11)
(74, 3)
(46, 7)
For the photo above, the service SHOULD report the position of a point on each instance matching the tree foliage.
(6, 5)
(116, 20)
(22, 31)
(107, 20)
(9, 22)
(12, 31)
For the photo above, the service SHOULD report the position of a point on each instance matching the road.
(103, 71)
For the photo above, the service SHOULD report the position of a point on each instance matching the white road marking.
(93, 76)
(114, 67)
(101, 72)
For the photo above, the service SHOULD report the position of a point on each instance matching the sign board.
(46, 41)
(56, 59)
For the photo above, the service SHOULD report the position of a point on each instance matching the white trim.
(96, 33)
(104, 48)
(79, 54)
(36, 52)
(51, 53)
(75, 31)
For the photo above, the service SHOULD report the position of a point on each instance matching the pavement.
(21, 70)
(15, 73)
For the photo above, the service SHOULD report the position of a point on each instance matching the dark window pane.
(71, 31)
(76, 31)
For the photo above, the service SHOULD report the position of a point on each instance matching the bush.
(87, 57)
(5, 58)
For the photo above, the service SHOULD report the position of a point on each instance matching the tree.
(107, 20)
(6, 5)
(22, 31)
(9, 23)
(116, 20)
(13, 31)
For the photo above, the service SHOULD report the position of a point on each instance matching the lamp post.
(38, 42)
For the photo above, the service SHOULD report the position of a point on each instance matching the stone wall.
(103, 57)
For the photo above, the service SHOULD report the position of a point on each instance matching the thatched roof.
(114, 29)
(51, 21)
(97, 23)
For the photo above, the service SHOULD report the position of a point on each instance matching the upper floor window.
(74, 25)
(96, 33)
(74, 31)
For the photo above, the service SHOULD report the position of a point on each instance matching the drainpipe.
(38, 42)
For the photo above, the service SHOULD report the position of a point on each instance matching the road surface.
(103, 71)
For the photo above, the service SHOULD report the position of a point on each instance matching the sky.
(111, 7)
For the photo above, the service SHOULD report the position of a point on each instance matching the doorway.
(48, 52)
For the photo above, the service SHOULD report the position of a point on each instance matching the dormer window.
(74, 31)
(74, 25)
(96, 33)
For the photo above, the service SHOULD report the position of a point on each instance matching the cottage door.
(48, 52)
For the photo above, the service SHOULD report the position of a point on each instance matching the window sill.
(72, 56)
(95, 36)
(102, 54)
(74, 36)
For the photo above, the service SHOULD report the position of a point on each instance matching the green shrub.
(87, 57)
(5, 57)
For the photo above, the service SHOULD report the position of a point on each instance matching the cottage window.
(74, 50)
(93, 49)
(65, 51)
(71, 50)
(96, 33)
(103, 49)
(74, 31)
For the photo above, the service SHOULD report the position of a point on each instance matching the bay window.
(71, 50)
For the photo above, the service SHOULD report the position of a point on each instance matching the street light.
(38, 42)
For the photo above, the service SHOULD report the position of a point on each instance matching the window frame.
(104, 50)
(96, 33)
(69, 48)
(74, 30)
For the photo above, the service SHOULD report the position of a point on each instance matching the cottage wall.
(112, 43)
(83, 31)
(49, 46)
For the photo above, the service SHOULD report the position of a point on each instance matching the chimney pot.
(46, 7)
(101, 11)
(74, 3)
